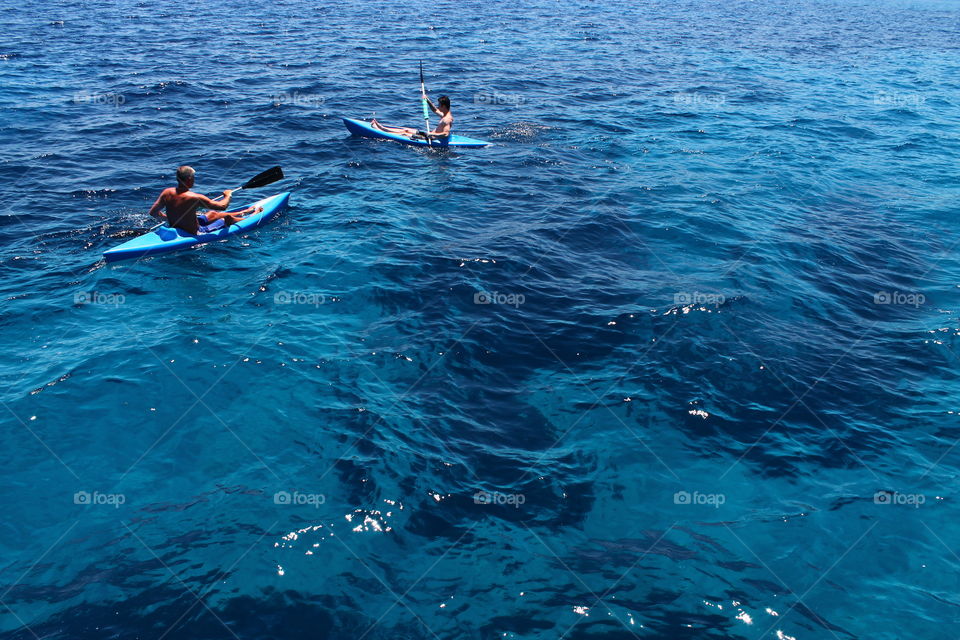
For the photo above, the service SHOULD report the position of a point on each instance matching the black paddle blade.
(262, 179)
(421, 72)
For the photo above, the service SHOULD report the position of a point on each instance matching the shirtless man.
(443, 127)
(181, 206)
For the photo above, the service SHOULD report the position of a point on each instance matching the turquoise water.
(712, 395)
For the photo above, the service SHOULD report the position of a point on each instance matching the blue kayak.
(366, 130)
(166, 239)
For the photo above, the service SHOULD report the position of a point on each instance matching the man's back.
(181, 208)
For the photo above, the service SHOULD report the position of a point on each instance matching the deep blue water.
(716, 394)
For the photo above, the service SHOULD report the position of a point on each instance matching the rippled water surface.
(712, 394)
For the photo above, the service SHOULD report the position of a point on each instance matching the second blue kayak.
(166, 239)
(366, 130)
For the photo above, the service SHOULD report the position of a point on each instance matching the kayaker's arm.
(219, 204)
(156, 211)
(433, 107)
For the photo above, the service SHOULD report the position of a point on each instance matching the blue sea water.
(714, 393)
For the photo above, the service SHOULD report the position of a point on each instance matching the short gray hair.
(184, 173)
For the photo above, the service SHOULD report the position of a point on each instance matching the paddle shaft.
(426, 113)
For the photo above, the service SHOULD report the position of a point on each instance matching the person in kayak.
(181, 206)
(442, 109)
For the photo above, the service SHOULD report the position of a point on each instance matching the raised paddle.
(263, 179)
(260, 180)
(426, 114)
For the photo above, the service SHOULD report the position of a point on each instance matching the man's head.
(185, 176)
(444, 103)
